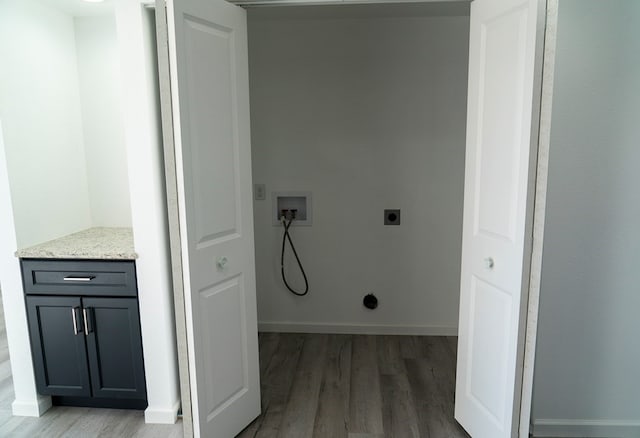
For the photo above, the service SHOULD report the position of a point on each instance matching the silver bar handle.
(86, 324)
(75, 321)
(87, 278)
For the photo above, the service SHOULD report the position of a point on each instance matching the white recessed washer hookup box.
(298, 201)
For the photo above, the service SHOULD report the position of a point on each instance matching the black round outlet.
(370, 301)
(392, 217)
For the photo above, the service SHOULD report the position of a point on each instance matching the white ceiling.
(80, 8)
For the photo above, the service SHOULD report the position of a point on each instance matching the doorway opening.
(364, 106)
(210, 90)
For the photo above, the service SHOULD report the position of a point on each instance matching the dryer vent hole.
(370, 301)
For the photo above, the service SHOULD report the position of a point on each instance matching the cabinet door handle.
(86, 316)
(75, 320)
(72, 278)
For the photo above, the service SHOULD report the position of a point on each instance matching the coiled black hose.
(286, 223)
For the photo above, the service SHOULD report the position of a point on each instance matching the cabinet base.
(90, 402)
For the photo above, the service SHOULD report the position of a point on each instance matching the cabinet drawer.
(79, 277)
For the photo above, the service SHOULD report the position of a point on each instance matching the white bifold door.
(499, 178)
(210, 104)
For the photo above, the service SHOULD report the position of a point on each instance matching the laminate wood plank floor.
(313, 386)
(356, 386)
(71, 422)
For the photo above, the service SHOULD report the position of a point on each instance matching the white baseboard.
(355, 329)
(31, 408)
(162, 416)
(585, 428)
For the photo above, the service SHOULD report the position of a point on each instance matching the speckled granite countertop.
(93, 243)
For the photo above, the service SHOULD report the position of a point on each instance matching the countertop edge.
(97, 243)
(21, 254)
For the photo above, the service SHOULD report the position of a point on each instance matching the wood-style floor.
(356, 386)
(329, 386)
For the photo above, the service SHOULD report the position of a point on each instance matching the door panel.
(210, 103)
(114, 347)
(214, 168)
(500, 127)
(59, 352)
(223, 305)
(491, 317)
(502, 68)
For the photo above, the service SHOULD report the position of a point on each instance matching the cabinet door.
(114, 347)
(58, 347)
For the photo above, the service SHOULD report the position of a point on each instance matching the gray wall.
(588, 354)
(365, 107)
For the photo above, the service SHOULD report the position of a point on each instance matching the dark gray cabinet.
(59, 350)
(114, 347)
(85, 335)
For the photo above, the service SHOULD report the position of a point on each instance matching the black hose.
(286, 237)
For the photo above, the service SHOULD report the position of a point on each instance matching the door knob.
(221, 262)
(489, 263)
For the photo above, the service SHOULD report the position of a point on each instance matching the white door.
(501, 145)
(210, 101)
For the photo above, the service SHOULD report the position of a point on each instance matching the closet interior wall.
(364, 106)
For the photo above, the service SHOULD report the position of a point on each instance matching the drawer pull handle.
(89, 278)
(86, 322)
(75, 321)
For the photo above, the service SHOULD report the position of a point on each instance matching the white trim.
(148, 205)
(172, 214)
(355, 329)
(542, 173)
(182, 214)
(31, 408)
(162, 416)
(585, 428)
(249, 3)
